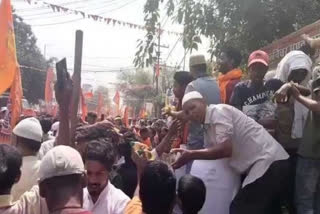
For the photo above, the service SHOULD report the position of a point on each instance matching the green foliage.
(245, 24)
(29, 55)
(137, 88)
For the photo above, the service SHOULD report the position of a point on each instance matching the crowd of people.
(235, 144)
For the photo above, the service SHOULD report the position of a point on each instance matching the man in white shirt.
(30, 202)
(27, 138)
(251, 151)
(100, 196)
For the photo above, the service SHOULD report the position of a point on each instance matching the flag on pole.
(157, 70)
(16, 98)
(126, 116)
(100, 104)
(8, 59)
(84, 109)
(48, 94)
(116, 100)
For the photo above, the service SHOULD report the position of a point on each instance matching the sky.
(105, 47)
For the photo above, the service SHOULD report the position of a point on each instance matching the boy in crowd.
(191, 194)
(100, 196)
(308, 166)
(156, 190)
(254, 96)
(145, 136)
(10, 173)
(27, 139)
(92, 118)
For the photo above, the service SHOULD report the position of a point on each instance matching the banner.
(48, 94)
(8, 59)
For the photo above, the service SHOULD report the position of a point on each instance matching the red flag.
(116, 100)
(126, 116)
(100, 104)
(84, 108)
(49, 90)
(157, 70)
(16, 94)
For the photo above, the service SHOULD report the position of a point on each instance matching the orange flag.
(16, 94)
(84, 108)
(116, 100)
(126, 116)
(8, 58)
(48, 89)
(157, 70)
(100, 104)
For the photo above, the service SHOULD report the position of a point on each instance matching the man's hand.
(294, 91)
(281, 95)
(140, 162)
(64, 95)
(175, 127)
(184, 158)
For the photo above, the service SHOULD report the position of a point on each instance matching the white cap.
(197, 60)
(29, 128)
(190, 96)
(3, 109)
(61, 161)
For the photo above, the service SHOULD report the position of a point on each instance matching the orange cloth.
(84, 107)
(147, 142)
(16, 95)
(224, 80)
(126, 117)
(134, 206)
(8, 59)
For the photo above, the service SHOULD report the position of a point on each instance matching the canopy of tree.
(30, 57)
(244, 24)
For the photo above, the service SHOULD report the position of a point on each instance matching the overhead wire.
(41, 15)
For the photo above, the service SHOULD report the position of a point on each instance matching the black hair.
(233, 53)
(101, 151)
(307, 49)
(32, 145)
(46, 124)
(183, 78)
(10, 164)
(92, 114)
(192, 193)
(157, 188)
(62, 188)
(144, 130)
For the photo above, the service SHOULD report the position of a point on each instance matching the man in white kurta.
(251, 150)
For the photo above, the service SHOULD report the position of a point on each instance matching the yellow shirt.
(134, 206)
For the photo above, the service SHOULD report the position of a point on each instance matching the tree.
(245, 24)
(32, 62)
(93, 103)
(137, 88)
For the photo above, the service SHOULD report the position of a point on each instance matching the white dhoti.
(222, 184)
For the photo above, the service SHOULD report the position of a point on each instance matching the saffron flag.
(8, 59)
(84, 109)
(126, 116)
(48, 88)
(157, 70)
(100, 104)
(116, 100)
(16, 98)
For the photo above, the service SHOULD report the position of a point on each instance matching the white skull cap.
(191, 96)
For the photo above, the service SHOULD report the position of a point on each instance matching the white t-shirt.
(253, 148)
(110, 201)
